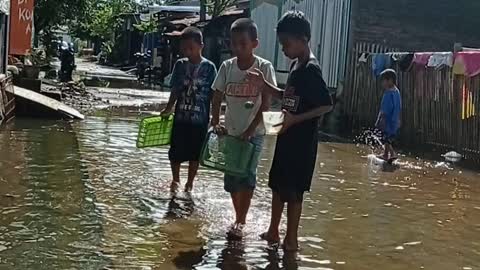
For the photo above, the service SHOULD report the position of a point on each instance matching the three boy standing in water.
(248, 82)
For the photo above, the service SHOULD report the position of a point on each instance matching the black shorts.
(187, 141)
(289, 196)
(389, 139)
(293, 164)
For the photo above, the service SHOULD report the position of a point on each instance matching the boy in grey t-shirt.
(243, 116)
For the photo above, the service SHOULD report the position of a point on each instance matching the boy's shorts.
(290, 196)
(233, 184)
(187, 141)
(389, 139)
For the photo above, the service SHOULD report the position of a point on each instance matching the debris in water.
(399, 248)
(412, 243)
(452, 156)
(311, 239)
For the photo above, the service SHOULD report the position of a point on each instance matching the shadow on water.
(179, 207)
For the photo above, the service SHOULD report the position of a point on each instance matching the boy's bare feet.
(235, 232)
(174, 186)
(273, 240)
(290, 246)
(188, 187)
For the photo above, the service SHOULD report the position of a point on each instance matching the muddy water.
(81, 196)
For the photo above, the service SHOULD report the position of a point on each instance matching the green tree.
(52, 14)
(214, 7)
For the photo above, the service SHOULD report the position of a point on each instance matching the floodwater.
(81, 196)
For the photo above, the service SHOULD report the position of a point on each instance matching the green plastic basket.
(227, 154)
(155, 131)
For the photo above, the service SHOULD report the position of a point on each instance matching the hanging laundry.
(406, 61)
(467, 63)
(421, 59)
(381, 61)
(468, 107)
(363, 58)
(440, 59)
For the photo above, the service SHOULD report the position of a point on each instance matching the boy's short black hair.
(294, 23)
(245, 25)
(389, 74)
(192, 33)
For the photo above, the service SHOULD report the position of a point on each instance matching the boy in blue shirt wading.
(191, 80)
(389, 116)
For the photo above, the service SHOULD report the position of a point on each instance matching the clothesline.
(464, 63)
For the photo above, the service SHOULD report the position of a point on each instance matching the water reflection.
(49, 212)
(84, 197)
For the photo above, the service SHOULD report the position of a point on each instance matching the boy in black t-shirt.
(304, 101)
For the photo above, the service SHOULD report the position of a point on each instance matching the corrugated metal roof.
(191, 9)
(330, 22)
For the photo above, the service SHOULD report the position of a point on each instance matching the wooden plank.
(47, 102)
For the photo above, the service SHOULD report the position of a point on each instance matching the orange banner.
(21, 20)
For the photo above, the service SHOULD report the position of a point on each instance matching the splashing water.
(371, 137)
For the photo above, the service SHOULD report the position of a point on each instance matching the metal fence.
(438, 108)
(330, 23)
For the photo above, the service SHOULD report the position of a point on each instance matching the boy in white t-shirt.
(243, 116)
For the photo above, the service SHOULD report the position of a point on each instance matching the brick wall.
(417, 25)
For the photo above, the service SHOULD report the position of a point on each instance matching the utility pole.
(203, 10)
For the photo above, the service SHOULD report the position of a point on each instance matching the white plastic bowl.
(272, 122)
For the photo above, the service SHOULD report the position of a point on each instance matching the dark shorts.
(287, 196)
(187, 141)
(293, 166)
(389, 139)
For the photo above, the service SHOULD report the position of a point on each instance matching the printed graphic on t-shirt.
(189, 95)
(241, 90)
(290, 100)
(193, 90)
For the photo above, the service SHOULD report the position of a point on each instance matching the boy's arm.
(266, 99)
(218, 88)
(316, 93)
(268, 76)
(171, 102)
(291, 119)
(380, 124)
(257, 78)
(175, 84)
(385, 107)
(216, 106)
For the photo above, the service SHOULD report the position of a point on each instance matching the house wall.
(330, 22)
(417, 25)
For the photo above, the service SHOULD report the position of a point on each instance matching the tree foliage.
(50, 15)
(216, 7)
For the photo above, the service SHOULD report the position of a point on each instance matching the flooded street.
(82, 196)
